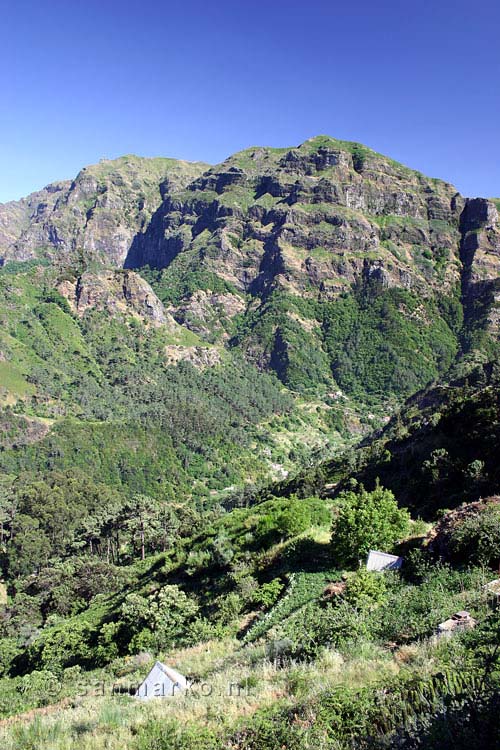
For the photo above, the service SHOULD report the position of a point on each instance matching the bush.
(365, 588)
(267, 594)
(365, 521)
(476, 540)
(39, 688)
(160, 620)
(283, 523)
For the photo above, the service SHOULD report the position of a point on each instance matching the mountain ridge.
(277, 252)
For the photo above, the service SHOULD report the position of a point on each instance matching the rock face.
(292, 232)
(199, 356)
(312, 219)
(480, 255)
(96, 216)
(118, 293)
(18, 219)
(206, 312)
(328, 263)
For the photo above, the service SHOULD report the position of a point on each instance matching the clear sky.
(79, 81)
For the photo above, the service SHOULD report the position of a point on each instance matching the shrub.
(39, 688)
(365, 588)
(284, 523)
(160, 620)
(267, 594)
(476, 539)
(365, 521)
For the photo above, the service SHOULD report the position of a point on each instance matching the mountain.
(330, 264)
(357, 270)
(219, 388)
(96, 215)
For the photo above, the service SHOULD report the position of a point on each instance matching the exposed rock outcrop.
(206, 312)
(198, 356)
(118, 293)
(309, 218)
(94, 217)
(307, 226)
(480, 255)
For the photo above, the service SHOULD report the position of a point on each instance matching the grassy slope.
(239, 686)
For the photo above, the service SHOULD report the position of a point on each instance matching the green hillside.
(220, 389)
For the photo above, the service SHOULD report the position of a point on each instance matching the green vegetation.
(379, 344)
(438, 451)
(355, 661)
(477, 537)
(365, 521)
(201, 484)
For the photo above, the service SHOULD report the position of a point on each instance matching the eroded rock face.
(118, 293)
(255, 250)
(199, 356)
(96, 216)
(480, 255)
(206, 312)
(318, 222)
(310, 217)
(18, 218)
(480, 241)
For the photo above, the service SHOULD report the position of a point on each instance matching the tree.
(8, 507)
(293, 520)
(142, 521)
(160, 620)
(365, 521)
(30, 548)
(284, 522)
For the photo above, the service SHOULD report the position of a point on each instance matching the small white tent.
(382, 561)
(161, 682)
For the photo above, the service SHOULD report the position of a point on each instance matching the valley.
(220, 388)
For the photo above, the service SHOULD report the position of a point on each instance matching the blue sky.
(199, 80)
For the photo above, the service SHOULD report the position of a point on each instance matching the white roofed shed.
(161, 682)
(383, 561)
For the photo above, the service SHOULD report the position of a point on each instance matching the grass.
(13, 385)
(232, 684)
(234, 680)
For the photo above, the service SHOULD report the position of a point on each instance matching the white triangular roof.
(382, 561)
(161, 682)
(172, 674)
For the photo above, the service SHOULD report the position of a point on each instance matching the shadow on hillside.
(151, 247)
(302, 556)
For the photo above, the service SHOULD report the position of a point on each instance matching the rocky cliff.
(316, 218)
(117, 293)
(329, 263)
(94, 217)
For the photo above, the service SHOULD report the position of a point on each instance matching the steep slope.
(94, 217)
(307, 219)
(95, 372)
(139, 451)
(331, 264)
(439, 451)
(480, 254)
